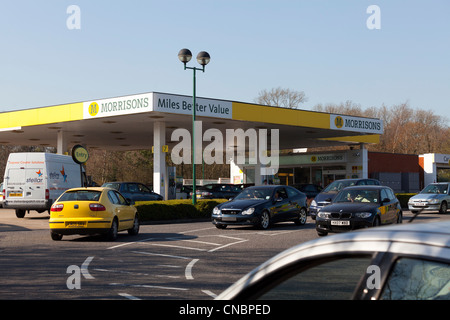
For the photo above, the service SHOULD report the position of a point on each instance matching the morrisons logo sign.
(357, 124)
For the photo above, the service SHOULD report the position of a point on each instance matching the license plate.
(75, 224)
(419, 204)
(15, 194)
(340, 223)
(228, 218)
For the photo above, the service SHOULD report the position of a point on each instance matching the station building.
(223, 129)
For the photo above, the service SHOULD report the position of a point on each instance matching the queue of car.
(344, 205)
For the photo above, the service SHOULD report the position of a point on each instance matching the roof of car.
(366, 186)
(432, 237)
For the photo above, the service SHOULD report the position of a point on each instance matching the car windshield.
(111, 185)
(435, 188)
(80, 195)
(338, 185)
(254, 194)
(358, 196)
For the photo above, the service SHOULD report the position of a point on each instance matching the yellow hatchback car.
(88, 211)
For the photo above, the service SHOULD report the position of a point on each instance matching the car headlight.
(324, 215)
(433, 201)
(248, 211)
(216, 211)
(313, 203)
(363, 215)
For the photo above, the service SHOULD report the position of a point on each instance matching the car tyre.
(221, 226)
(444, 207)
(400, 217)
(302, 216)
(264, 222)
(135, 229)
(56, 236)
(113, 231)
(20, 213)
(376, 222)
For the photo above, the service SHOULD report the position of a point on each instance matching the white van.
(33, 180)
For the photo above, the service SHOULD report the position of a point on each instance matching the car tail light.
(57, 207)
(97, 207)
(4, 194)
(47, 194)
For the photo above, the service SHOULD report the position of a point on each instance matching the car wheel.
(56, 236)
(20, 213)
(376, 222)
(400, 217)
(135, 229)
(112, 232)
(221, 226)
(265, 220)
(301, 220)
(444, 207)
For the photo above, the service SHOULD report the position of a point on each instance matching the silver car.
(435, 197)
(399, 262)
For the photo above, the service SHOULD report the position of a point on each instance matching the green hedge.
(403, 198)
(176, 209)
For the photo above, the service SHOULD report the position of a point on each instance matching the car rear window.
(80, 195)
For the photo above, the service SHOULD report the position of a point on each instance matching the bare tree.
(279, 97)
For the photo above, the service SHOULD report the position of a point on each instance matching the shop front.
(315, 168)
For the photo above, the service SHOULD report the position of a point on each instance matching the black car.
(311, 190)
(359, 207)
(217, 191)
(327, 195)
(134, 191)
(260, 206)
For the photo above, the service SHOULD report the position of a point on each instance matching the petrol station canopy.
(127, 123)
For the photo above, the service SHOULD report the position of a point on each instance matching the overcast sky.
(324, 48)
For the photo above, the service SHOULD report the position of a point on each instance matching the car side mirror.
(130, 202)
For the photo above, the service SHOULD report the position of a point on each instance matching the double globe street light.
(203, 58)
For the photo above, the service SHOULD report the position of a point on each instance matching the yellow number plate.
(15, 194)
(75, 224)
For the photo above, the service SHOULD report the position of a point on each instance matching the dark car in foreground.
(261, 206)
(327, 195)
(359, 207)
(398, 262)
(134, 191)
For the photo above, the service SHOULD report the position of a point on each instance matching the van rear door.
(25, 183)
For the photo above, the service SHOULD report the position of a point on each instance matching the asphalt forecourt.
(171, 261)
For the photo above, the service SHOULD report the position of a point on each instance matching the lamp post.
(203, 59)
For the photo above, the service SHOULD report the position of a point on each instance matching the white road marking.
(227, 245)
(161, 255)
(174, 246)
(188, 270)
(147, 286)
(128, 296)
(209, 293)
(84, 268)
